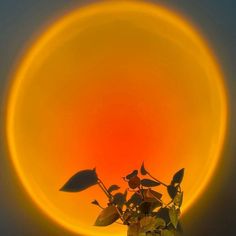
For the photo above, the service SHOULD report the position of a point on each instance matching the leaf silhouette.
(180, 228)
(149, 197)
(164, 214)
(95, 202)
(172, 190)
(145, 207)
(178, 200)
(134, 182)
(125, 194)
(119, 199)
(160, 222)
(81, 181)
(113, 188)
(131, 175)
(135, 199)
(149, 193)
(108, 216)
(178, 177)
(173, 214)
(150, 223)
(143, 170)
(149, 183)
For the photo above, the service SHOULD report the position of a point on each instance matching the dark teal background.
(21, 20)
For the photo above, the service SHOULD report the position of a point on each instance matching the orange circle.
(110, 85)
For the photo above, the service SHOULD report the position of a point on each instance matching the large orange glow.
(108, 86)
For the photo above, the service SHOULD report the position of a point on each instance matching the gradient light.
(110, 85)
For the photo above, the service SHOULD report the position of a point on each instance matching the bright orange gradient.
(108, 86)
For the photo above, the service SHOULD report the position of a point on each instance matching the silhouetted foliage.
(81, 181)
(143, 210)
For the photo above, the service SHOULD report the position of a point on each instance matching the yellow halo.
(146, 16)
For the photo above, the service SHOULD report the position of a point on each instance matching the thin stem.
(141, 192)
(103, 189)
(108, 193)
(169, 203)
(101, 207)
(157, 180)
(120, 214)
(159, 200)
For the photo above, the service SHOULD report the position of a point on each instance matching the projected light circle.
(108, 86)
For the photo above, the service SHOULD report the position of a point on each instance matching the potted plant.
(140, 207)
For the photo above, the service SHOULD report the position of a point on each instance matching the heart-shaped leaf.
(178, 177)
(174, 216)
(134, 182)
(95, 202)
(119, 199)
(131, 175)
(178, 200)
(150, 223)
(135, 199)
(163, 213)
(113, 188)
(180, 228)
(143, 170)
(145, 207)
(108, 216)
(160, 222)
(149, 183)
(149, 193)
(81, 181)
(172, 190)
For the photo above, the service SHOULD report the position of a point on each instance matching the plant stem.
(103, 189)
(101, 207)
(141, 192)
(120, 214)
(157, 180)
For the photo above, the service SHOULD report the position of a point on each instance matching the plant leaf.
(160, 222)
(113, 188)
(167, 232)
(81, 181)
(150, 223)
(174, 216)
(131, 175)
(125, 194)
(149, 183)
(133, 229)
(178, 177)
(108, 216)
(149, 193)
(180, 228)
(135, 199)
(178, 200)
(119, 199)
(127, 215)
(145, 207)
(143, 170)
(172, 190)
(164, 214)
(134, 182)
(95, 202)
